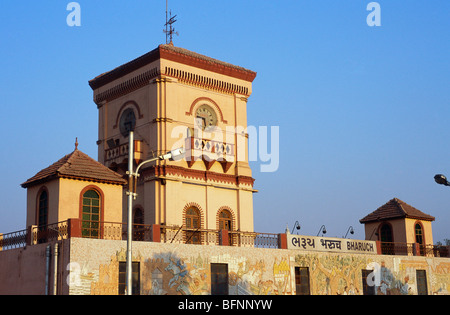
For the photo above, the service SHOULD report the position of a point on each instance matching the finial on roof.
(287, 229)
(170, 31)
(76, 143)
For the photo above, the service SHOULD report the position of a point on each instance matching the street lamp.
(174, 155)
(296, 226)
(350, 229)
(323, 230)
(441, 180)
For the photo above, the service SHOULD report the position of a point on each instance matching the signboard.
(330, 244)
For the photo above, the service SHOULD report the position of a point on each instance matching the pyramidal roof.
(76, 165)
(396, 209)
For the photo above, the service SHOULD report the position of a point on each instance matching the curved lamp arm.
(323, 230)
(350, 229)
(174, 155)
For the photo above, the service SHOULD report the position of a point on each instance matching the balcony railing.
(13, 240)
(434, 250)
(388, 248)
(209, 151)
(413, 249)
(120, 152)
(180, 235)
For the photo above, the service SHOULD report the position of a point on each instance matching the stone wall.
(185, 269)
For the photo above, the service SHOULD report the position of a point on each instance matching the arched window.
(138, 216)
(386, 233)
(226, 224)
(91, 214)
(138, 225)
(42, 219)
(419, 233)
(387, 247)
(225, 220)
(193, 224)
(43, 209)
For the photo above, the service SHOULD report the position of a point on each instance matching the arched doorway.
(193, 224)
(42, 219)
(386, 238)
(419, 237)
(226, 223)
(138, 225)
(225, 220)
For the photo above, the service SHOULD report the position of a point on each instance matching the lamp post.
(296, 226)
(174, 155)
(441, 180)
(130, 213)
(350, 229)
(323, 230)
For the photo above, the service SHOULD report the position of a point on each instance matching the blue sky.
(363, 111)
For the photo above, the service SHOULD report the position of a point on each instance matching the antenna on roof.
(169, 25)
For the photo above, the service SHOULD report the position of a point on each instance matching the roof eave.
(364, 221)
(28, 184)
(121, 182)
(162, 52)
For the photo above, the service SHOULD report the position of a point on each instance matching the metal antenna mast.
(169, 25)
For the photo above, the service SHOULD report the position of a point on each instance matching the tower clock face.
(206, 117)
(127, 122)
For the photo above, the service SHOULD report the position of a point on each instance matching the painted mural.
(171, 274)
(186, 271)
(342, 275)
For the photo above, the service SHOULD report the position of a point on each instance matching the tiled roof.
(77, 165)
(395, 209)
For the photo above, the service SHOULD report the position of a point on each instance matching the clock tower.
(172, 97)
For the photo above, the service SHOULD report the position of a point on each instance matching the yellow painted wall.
(166, 113)
(64, 200)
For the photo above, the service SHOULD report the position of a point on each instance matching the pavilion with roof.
(398, 222)
(76, 186)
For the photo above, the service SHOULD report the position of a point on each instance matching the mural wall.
(173, 269)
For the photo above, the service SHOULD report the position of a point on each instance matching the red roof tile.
(77, 165)
(396, 209)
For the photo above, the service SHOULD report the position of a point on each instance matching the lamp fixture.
(441, 180)
(296, 226)
(350, 229)
(323, 230)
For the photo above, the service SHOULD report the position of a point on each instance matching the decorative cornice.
(126, 87)
(204, 82)
(196, 60)
(162, 119)
(175, 54)
(167, 170)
